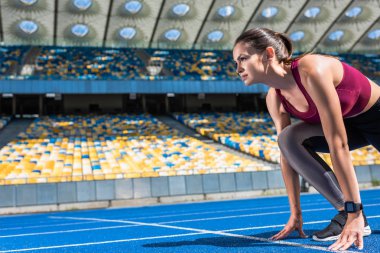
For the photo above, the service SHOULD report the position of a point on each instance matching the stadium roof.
(320, 25)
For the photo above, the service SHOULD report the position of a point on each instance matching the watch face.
(350, 207)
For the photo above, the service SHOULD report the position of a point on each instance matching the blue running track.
(222, 226)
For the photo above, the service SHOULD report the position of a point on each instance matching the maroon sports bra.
(354, 92)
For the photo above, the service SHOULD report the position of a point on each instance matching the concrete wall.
(110, 192)
(106, 102)
(221, 101)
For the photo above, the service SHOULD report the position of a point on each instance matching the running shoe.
(334, 229)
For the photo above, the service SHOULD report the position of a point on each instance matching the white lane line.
(201, 231)
(373, 216)
(226, 217)
(47, 226)
(161, 216)
(174, 215)
(67, 231)
(282, 225)
(149, 238)
(168, 222)
(230, 211)
(98, 243)
(251, 215)
(224, 211)
(128, 226)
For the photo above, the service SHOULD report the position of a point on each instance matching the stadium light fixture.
(28, 26)
(133, 7)
(353, 12)
(215, 36)
(336, 35)
(269, 12)
(28, 2)
(82, 4)
(173, 34)
(226, 11)
(50, 95)
(297, 36)
(181, 9)
(312, 12)
(80, 30)
(374, 35)
(127, 33)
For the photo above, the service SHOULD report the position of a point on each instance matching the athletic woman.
(339, 110)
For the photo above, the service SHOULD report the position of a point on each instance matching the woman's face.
(249, 64)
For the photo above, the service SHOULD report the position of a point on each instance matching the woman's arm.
(281, 120)
(317, 75)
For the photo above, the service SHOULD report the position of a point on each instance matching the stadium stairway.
(31, 55)
(190, 132)
(11, 131)
(145, 57)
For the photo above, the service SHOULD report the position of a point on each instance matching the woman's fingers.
(350, 240)
(338, 244)
(346, 240)
(302, 234)
(359, 242)
(294, 223)
(277, 236)
(300, 231)
(282, 234)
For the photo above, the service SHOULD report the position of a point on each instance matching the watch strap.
(352, 207)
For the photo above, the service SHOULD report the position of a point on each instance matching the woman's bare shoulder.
(316, 60)
(318, 65)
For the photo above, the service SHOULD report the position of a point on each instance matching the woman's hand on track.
(294, 223)
(352, 233)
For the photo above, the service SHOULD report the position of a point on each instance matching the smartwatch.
(351, 207)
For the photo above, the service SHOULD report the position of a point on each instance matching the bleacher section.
(255, 134)
(10, 60)
(195, 64)
(76, 148)
(88, 63)
(368, 63)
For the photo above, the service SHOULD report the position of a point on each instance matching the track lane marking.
(174, 215)
(162, 223)
(199, 231)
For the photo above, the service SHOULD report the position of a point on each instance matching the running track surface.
(222, 226)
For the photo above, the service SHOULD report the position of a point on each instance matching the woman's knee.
(286, 137)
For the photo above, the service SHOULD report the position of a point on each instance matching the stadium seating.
(368, 63)
(255, 134)
(87, 63)
(10, 59)
(67, 63)
(196, 64)
(75, 148)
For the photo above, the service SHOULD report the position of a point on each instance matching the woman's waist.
(371, 112)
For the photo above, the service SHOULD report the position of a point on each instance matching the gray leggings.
(299, 143)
